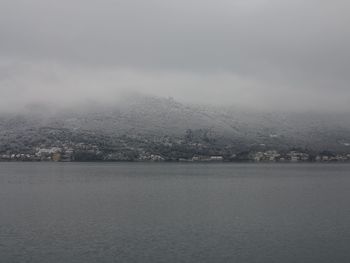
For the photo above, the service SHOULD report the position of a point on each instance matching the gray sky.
(271, 54)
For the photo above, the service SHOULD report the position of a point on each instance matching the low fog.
(278, 55)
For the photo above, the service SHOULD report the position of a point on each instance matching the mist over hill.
(142, 123)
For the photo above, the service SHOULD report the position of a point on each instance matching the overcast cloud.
(271, 54)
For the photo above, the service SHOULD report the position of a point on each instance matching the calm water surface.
(75, 212)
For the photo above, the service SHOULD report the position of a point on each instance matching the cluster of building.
(333, 158)
(63, 153)
(89, 152)
(296, 156)
(151, 157)
(41, 154)
(275, 156)
(214, 158)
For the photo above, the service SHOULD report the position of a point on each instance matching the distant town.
(161, 149)
(152, 129)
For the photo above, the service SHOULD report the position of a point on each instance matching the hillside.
(140, 122)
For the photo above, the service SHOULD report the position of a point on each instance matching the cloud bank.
(263, 54)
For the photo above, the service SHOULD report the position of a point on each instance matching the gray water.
(134, 212)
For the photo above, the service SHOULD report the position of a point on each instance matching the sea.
(174, 212)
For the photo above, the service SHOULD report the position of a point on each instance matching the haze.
(263, 54)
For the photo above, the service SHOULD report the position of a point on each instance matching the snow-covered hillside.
(154, 116)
